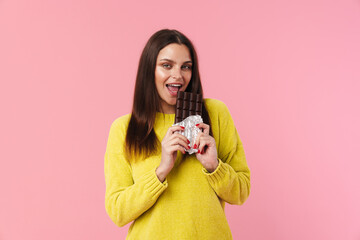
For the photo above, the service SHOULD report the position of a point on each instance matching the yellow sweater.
(190, 203)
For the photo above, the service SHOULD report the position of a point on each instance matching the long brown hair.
(140, 136)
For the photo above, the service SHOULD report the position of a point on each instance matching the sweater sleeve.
(125, 200)
(231, 179)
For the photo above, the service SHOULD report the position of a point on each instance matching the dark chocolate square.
(187, 104)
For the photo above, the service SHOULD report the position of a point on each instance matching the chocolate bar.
(187, 104)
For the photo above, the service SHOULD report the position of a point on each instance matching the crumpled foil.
(190, 131)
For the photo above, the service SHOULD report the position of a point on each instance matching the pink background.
(289, 72)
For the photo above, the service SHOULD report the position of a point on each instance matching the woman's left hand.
(207, 153)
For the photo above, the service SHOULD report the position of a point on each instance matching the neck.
(168, 110)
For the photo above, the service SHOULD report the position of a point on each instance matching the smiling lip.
(173, 88)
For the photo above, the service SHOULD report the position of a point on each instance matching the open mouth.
(173, 88)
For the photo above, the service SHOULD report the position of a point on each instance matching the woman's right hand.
(171, 143)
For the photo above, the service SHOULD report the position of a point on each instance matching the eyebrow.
(169, 60)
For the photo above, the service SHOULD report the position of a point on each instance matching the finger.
(204, 127)
(180, 136)
(174, 129)
(197, 140)
(180, 141)
(203, 142)
(175, 148)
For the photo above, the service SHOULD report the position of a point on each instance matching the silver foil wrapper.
(190, 131)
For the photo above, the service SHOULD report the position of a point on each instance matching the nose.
(176, 73)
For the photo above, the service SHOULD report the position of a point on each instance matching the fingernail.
(195, 146)
(198, 150)
(197, 125)
(202, 151)
(182, 127)
(188, 141)
(188, 147)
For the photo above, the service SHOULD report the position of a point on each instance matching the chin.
(172, 103)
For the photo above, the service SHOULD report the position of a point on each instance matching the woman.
(150, 180)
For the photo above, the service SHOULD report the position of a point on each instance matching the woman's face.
(172, 74)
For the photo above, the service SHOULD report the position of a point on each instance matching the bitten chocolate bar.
(187, 104)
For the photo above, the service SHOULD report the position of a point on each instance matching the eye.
(166, 65)
(186, 67)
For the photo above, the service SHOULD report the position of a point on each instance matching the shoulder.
(214, 106)
(122, 119)
(121, 122)
(218, 111)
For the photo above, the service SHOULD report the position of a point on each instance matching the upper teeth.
(175, 85)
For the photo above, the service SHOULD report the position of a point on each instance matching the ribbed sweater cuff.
(153, 185)
(217, 175)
